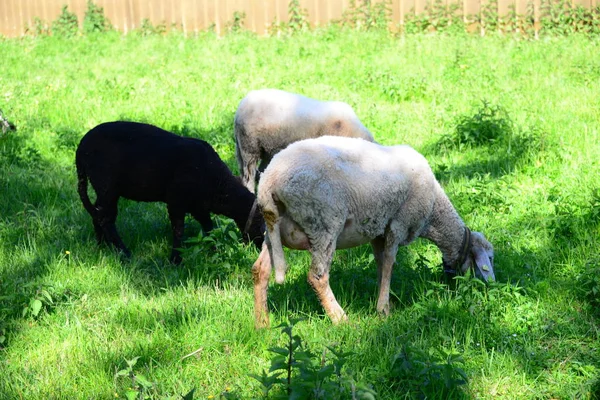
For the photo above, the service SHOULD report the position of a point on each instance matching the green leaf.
(131, 394)
(36, 307)
(142, 380)
(132, 362)
(278, 364)
(279, 350)
(47, 295)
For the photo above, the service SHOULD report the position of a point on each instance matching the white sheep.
(268, 120)
(333, 193)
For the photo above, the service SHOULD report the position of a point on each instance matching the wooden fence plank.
(195, 15)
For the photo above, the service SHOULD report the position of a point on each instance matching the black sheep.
(144, 163)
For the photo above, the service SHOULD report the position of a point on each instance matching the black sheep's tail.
(82, 186)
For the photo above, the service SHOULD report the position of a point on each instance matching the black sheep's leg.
(100, 237)
(205, 221)
(177, 217)
(107, 217)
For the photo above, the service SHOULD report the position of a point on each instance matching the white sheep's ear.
(484, 265)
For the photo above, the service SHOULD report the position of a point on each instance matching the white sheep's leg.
(261, 270)
(385, 255)
(273, 239)
(318, 277)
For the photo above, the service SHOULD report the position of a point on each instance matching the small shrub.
(366, 15)
(15, 150)
(236, 25)
(298, 17)
(436, 373)
(489, 125)
(572, 219)
(303, 374)
(66, 25)
(95, 20)
(224, 242)
(488, 18)
(40, 28)
(67, 139)
(588, 282)
(148, 29)
(588, 285)
(437, 16)
(561, 17)
(138, 385)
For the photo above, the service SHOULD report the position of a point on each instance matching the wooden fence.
(16, 16)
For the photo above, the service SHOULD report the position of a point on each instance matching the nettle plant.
(299, 373)
(224, 242)
(490, 124)
(95, 20)
(236, 25)
(588, 283)
(562, 17)
(437, 16)
(297, 21)
(366, 15)
(66, 25)
(135, 385)
(432, 374)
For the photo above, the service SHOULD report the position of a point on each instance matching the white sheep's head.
(480, 258)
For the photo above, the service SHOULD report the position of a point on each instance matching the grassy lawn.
(511, 129)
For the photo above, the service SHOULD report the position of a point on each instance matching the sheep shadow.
(353, 280)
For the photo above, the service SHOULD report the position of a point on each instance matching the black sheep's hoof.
(175, 259)
(126, 254)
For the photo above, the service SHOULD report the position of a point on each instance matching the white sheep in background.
(334, 193)
(268, 120)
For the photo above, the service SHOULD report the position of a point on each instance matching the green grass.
(532, 185)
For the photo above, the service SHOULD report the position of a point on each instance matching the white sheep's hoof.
(279, 277)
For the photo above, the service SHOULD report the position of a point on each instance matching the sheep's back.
(345, 177)
(143, 162)
(277, 118)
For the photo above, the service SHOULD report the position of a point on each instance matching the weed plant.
(510, 127)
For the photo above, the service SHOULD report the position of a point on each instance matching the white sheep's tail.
(273, 238)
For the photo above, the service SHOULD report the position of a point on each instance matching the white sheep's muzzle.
(483, 258)
(484, 267)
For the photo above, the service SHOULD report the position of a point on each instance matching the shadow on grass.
(492, 159)
(494, 146)
(37, 226)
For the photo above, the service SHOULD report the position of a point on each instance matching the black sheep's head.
(255, 231)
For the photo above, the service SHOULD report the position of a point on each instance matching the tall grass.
(511, 129)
